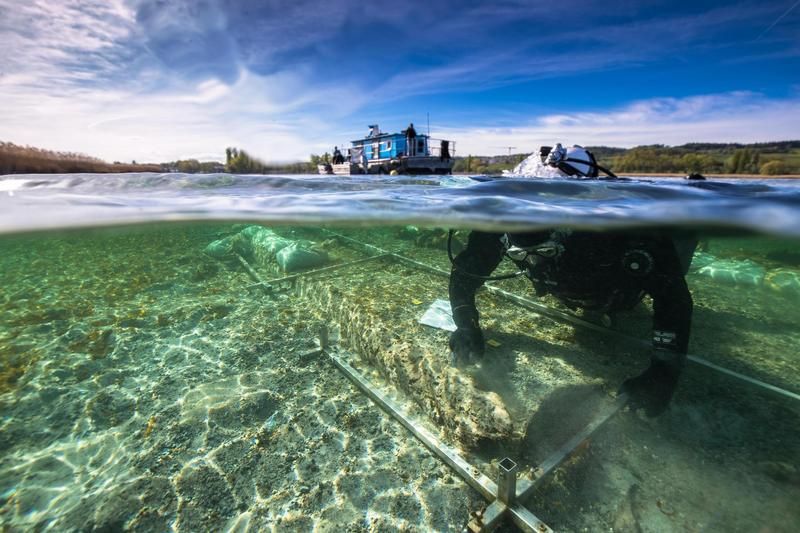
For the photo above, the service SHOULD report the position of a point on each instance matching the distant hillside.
(768, 159)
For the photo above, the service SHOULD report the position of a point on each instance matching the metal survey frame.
(505, 495)
(569, 317)
(502, 493)
(497, 510)
(286, 282)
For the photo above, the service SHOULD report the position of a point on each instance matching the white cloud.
(277, 117)
(38, 38)
(85, 76)
(729, 117)
(68, 84)
(269, 116)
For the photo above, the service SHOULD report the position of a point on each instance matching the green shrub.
(774, 168)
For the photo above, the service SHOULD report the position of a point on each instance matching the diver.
(601, 272)
(338, 158)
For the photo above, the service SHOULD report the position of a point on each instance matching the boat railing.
(437, 146)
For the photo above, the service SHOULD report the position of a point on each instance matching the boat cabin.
(382, 153)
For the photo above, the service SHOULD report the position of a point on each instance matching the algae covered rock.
(744, 272)
(108, 409)
(297, 256)
(701, 259)
(220, 249)
(262, 244)
(784, 281)
(747, 272)
(267, 248)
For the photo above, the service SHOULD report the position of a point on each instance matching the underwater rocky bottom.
(147, 384)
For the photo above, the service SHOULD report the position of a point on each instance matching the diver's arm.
(672, 301)
(483, 253)
(672, 317)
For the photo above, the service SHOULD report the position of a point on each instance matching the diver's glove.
(653, 389)
(466, 342)
(466, 345)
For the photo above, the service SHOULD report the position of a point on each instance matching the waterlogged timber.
(173, 376)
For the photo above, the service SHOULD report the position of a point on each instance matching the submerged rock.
(784, 280)
(220, 249)
(267, 248)
(296, 257)
(747, 272)
(733, 271)
(206, 501)
(107, 410)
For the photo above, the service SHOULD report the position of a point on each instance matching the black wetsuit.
(606, 272)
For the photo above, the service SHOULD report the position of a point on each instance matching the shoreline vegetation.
(726, 160)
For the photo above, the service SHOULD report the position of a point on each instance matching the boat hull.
(406, 165)
(347, 169)
(425, 165)
(402, 165)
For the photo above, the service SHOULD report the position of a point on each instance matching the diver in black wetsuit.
(604, 272)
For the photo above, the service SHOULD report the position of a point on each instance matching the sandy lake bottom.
(147, 386)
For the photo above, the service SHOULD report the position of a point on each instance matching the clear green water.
(147, 386)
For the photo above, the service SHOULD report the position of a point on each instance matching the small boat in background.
(386, 153)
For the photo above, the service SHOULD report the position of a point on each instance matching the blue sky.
(156, 80)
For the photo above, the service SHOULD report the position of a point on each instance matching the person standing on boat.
(601, 272)
(411, 139)
(338, 158)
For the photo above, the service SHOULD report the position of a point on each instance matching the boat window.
(375, 150)
(388, 145)
(420, 145)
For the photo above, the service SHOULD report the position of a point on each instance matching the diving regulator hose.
(470, 274)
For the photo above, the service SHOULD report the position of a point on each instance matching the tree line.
(16, 159)
(238, 161)
(767, 159)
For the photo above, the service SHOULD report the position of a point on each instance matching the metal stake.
(324, 341)
(507, 481)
